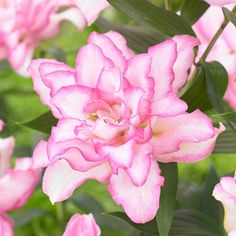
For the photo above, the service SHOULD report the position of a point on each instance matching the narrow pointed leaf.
(192, 10)
(144, 13)
(42, 123)
(166, 210)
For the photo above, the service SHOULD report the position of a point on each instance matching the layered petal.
(82, 225)
(60, 180)
(188, 127)
(139, 202)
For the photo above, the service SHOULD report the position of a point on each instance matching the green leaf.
(42, 123)
(226, 142)
(162, 21)
(168, 197)
(24, 216)
(215, 72)
(150, 227)
(206, 88)
(57, 53)
(87, 203)
(192, 10)
(209, 205)
(231, 16)
(138, 38)
(227, 116)
(190, 222)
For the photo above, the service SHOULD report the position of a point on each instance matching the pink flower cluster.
(224, 50)
(225, 191)
(16, 185)
(119, 113)
(24, 23)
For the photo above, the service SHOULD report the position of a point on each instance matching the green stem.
(214, 39)
(60, 211)
(168, 4)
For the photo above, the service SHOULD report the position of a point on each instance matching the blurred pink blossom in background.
(220, 2)
(16, 185)
(24, 23)
(225, 191)
(224, 50)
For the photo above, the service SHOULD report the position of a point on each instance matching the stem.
(168, 4)
(60, 211)
(214, 39)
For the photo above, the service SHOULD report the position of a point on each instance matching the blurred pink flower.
(82, 225)
(6, 226)
(225, 191)
(24, 23)
(17, 184)
(119, 113)
(224, 50)
(220, 2)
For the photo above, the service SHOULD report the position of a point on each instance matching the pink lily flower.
(82, 225)
(224, 50)
(24, 23)
(16, 185)
(118, 114)
(225, 191)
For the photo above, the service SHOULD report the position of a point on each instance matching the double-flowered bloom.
(119, 113)
(225, 191)
(224, 50)
(24, 23)
(16, 185)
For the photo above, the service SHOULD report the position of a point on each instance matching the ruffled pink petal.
(172, 131)
(121, 155)
(6, 226)
(6, 150)
(141, 165)
(120, 43)
(139, 202)
(109, 49)
(137, 72)
(60, 180)
(40, 155)
(88, 73)
(192, 151)
(71, 101)
(91, 8)
(162, 70)
(82, 225)
(110, 80)
(185, 59)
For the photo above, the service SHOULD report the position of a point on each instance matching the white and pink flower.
(82, 225)
(24, 23)
(225, 191)
(118, 114)
(16, 185)
(224, 50)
